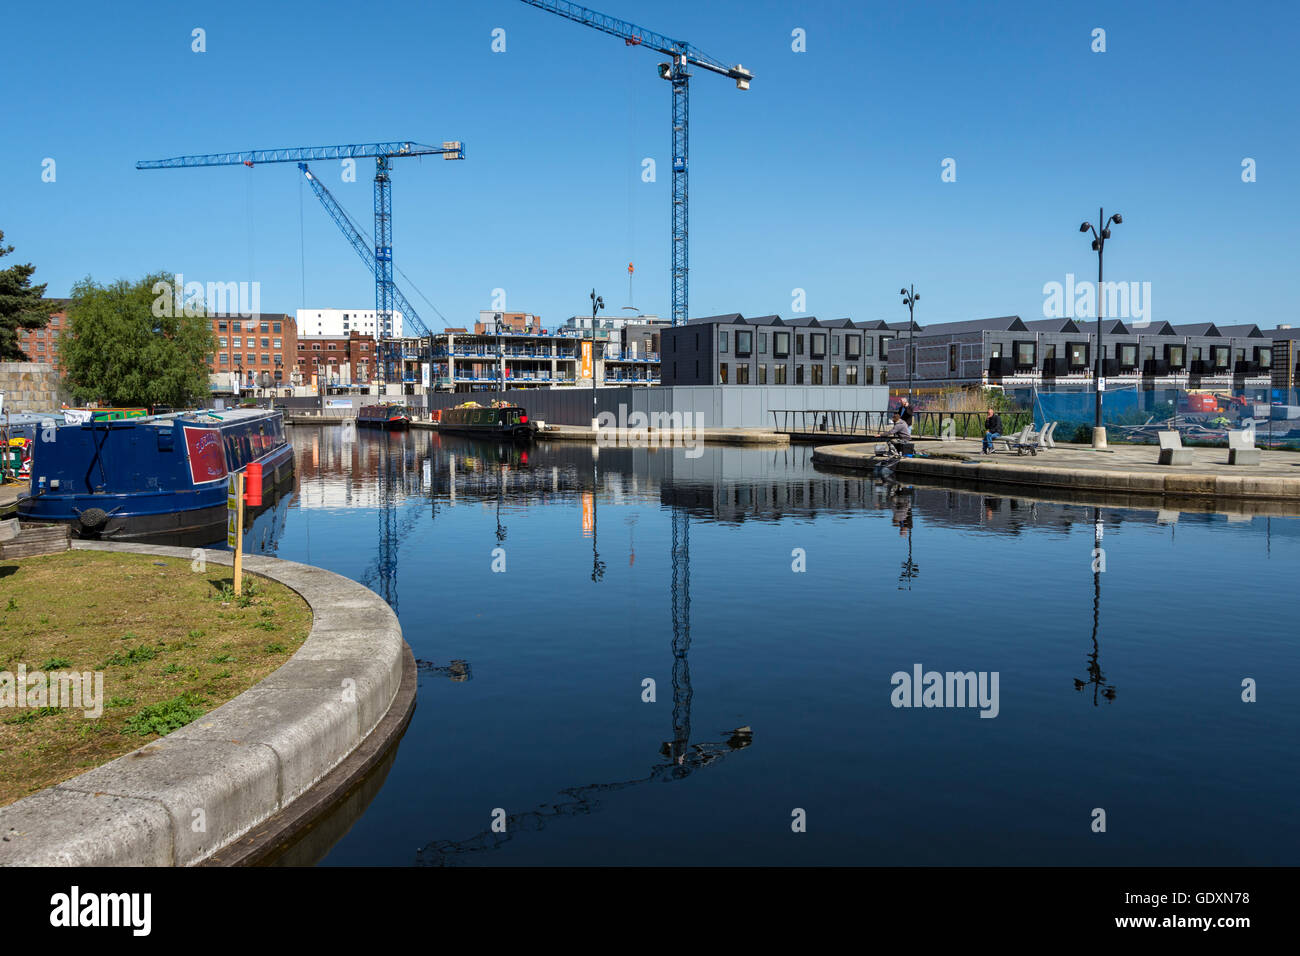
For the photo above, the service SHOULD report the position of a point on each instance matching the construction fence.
(1201, 415)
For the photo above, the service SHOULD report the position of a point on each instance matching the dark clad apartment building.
(1046, 353)
(732, 349)
(1286, 356)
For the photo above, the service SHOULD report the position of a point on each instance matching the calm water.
(1119, 690)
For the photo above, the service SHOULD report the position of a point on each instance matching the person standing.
(905, 411)
(992, 430)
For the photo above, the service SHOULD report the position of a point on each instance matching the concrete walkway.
(182, 798)
(1126, 469)
(9, 494)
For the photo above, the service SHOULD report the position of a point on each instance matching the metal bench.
(1024, 441)
(1241, 448)
(1172, 451)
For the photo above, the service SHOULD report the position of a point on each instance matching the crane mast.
(677, 72)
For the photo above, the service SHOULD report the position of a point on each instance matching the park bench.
(1172, 451)
(1026, 440)
(1241, 448)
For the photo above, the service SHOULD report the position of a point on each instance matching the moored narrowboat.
(500, 419)
(388, 416)
(140, 478)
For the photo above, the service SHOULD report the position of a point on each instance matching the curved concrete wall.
(182, 797)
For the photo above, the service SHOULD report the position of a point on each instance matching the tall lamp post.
(910, 299)
(1099, 379)
(597, 304)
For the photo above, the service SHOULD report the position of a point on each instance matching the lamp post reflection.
(501, 479)
(902, 519)
(597, 565)
(1095, 677)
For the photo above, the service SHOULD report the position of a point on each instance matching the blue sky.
(824, 176)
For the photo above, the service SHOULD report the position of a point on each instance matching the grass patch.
(170, 642)
(136, 655)
(164, 717)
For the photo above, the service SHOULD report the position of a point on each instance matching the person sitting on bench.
(992, 430)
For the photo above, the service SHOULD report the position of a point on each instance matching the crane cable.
(363, 231)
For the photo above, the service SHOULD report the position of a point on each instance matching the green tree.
(131, 346)
(20, 306)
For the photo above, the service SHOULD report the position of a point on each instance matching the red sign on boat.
(207, 458)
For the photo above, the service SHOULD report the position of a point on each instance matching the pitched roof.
(1244, 331)
(766, 320)
(729, 318)
(1199, 328)
(803, 321)
(872, 324)
(1281, 333)
(1004, 323)
(1052, 325)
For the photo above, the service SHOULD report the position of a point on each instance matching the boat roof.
(201, 417)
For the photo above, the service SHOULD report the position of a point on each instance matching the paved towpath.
(1124, 468)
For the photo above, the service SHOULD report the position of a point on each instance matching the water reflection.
(1095, 677)
(751, 645)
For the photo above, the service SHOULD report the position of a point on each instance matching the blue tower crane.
(683, 55)
(383, 153)
(363, 248)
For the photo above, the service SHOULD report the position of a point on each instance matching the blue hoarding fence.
(1134, 414)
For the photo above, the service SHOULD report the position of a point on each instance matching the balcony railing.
(617, 355)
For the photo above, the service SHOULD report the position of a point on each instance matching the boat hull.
(513, 433)
(400, 424)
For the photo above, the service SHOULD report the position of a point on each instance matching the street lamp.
(1099, 380)
(910, 298)
(597, 304)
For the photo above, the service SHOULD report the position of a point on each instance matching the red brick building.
(262, 350)
(42, 345)
(337, 360)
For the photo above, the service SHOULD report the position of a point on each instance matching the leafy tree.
(130, 346)
(20, 306)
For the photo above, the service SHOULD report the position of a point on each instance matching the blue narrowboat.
(160, 476)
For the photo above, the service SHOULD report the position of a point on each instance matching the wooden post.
(239, 533)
